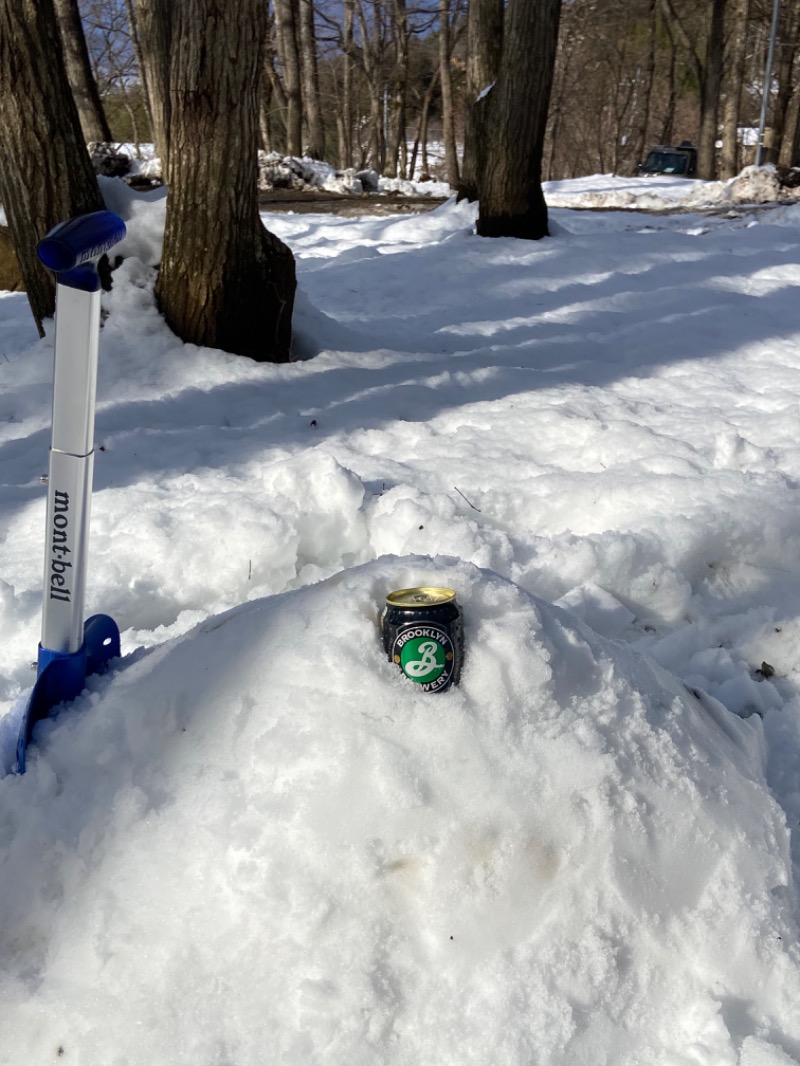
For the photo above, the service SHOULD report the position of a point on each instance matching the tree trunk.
(346, 137)
(273, 97)
(736, 58)
(783, 74)
(792, 145)
(45, 173)
(484, 50)
(423, 134)
(315, 145)
(396, 149)
(79, 72)
(225, 281)
(422, 129)
(511, 200)
(711, 90)
(569, 41)
(668, 122)
(446, 78)
(266, 138)
(286, 19)
(708, 72)
(640, 139)
(153, 30)
(372, 53)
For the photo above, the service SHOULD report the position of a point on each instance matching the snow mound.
(661, 192)
(260, 836)
(276, 171)
(759, 185)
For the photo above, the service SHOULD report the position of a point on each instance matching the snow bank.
(259, 843)
(277, 171)
(254, 842)
(660, 192)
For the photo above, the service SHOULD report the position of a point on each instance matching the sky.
(254, 840)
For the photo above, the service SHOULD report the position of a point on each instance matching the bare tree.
(79, 72)
(510, 160)
(315, 141)
(648, 72)
(272, 102)
(791, 145)
(287, 17)
(736, 57)
(152, 29)
(484, 52)
(706, 63)
(346, 125)
(446, 15)
(373, 28)
(45, 173)
(116, 67)
(396, 142)
(789, 31)
(225, 281)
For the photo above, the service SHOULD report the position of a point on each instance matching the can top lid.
(420, 597)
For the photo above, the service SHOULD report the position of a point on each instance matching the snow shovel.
(69, 650)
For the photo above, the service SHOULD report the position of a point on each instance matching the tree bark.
(708, 72)
(422, 129)
(286, 19)
(79, 72)
(315, 144)
(511, 199)
(792, 145)
(46, 176)
(273, 98)
(396, 148)
(373, 45)
(484, 51)
(446, 78)
(153, 30)
(225, 281)
(346, 136)
(640, 139)
(668, 121)
(266, 138)
(737, 55)
(711, 90)
(783, 73)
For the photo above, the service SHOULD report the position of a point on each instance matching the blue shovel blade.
(63, 677)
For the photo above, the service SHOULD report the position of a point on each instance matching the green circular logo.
(423, 659)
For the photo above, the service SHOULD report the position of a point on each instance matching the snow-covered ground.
(254, 841)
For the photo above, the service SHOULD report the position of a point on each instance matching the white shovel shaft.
(75, 379)
(71, 461)
(66, 548)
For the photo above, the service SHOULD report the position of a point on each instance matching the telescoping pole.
(70, 650)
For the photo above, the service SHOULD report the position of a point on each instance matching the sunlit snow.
(253, 841)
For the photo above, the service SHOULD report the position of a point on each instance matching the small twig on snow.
(463, 497)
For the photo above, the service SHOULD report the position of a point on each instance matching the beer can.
(423, 634)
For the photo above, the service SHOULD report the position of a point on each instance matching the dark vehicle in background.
(664, 159)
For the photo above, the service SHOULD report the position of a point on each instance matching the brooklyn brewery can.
(423, 633)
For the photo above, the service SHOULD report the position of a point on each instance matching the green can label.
(425, 655)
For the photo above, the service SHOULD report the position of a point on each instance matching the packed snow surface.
(254, 841)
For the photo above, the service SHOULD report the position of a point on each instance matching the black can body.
(423, 634)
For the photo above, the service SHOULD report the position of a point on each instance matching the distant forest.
(382, 83)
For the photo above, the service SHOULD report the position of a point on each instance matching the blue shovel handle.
(71, 251)
(71, 248)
